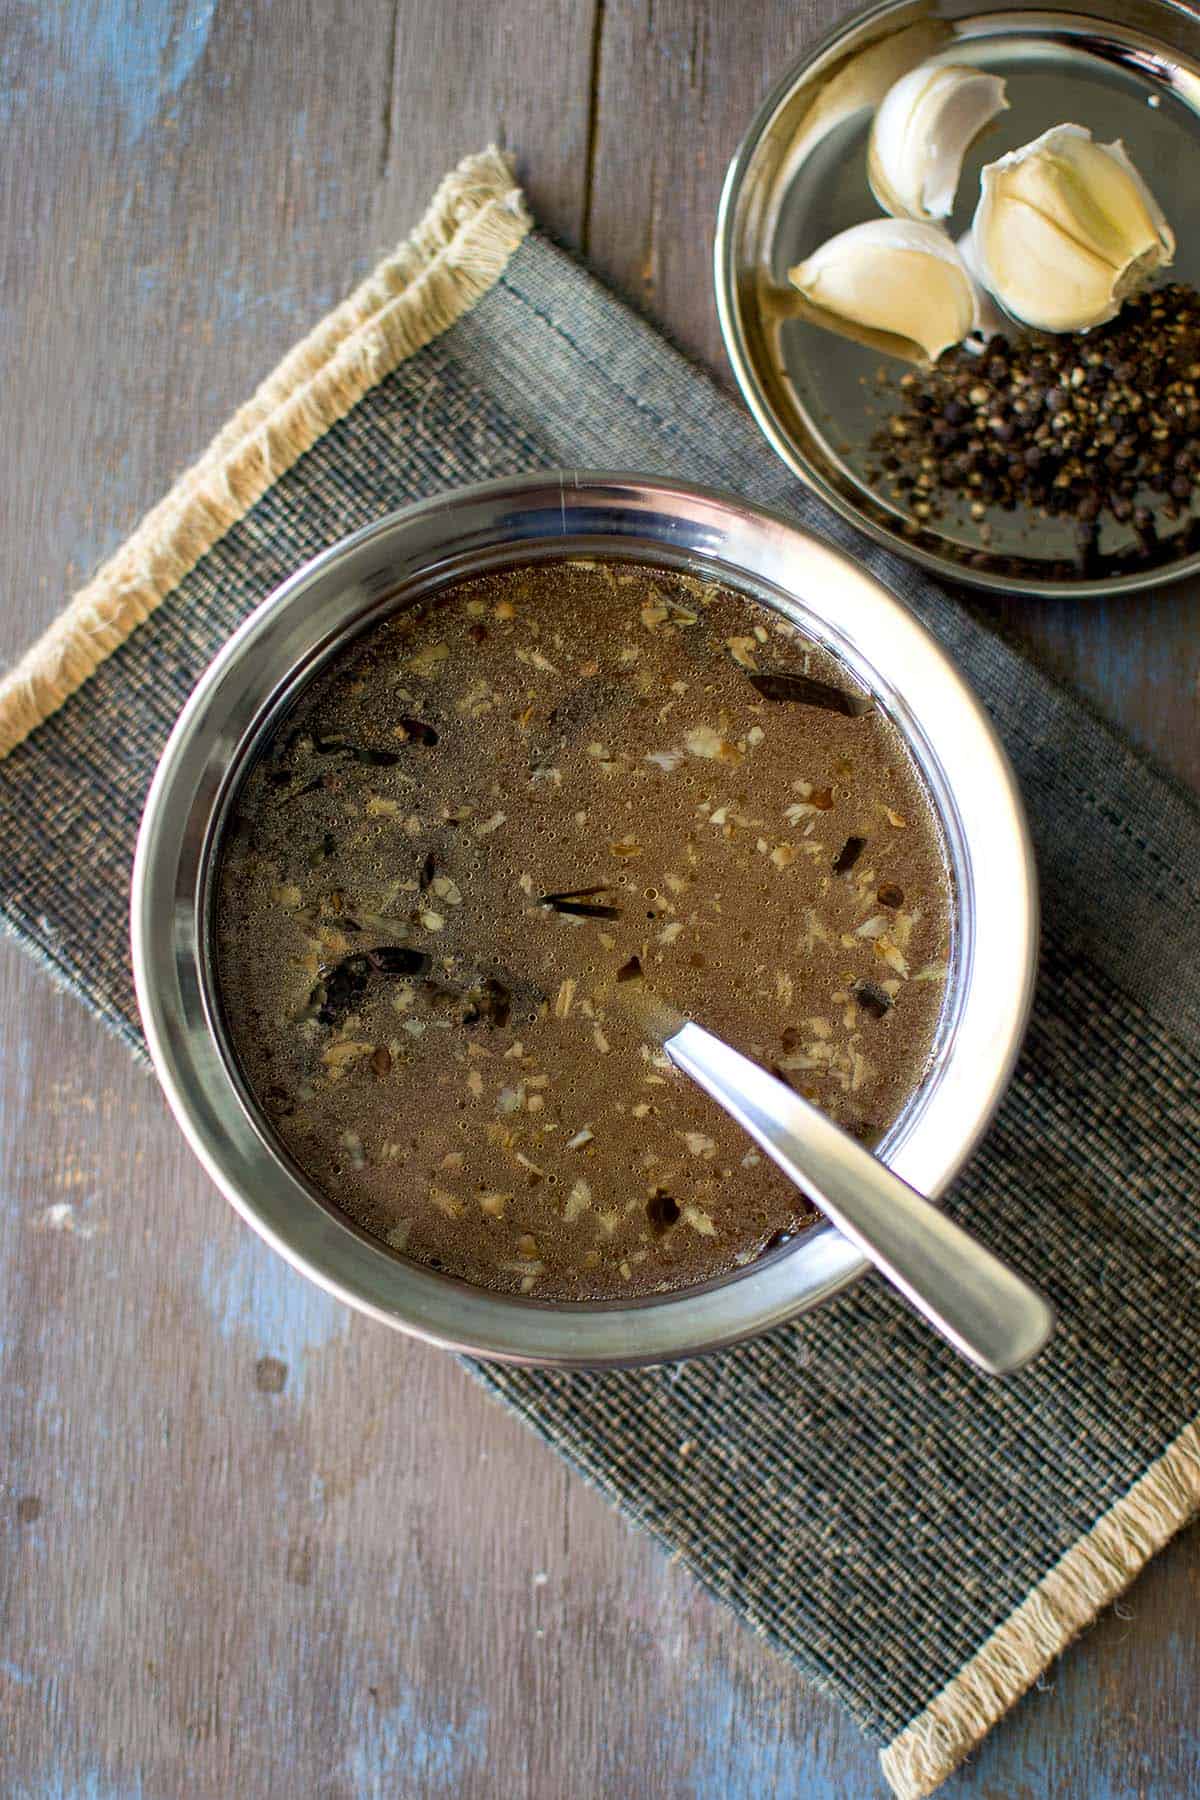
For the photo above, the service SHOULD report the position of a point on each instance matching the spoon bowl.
(400, 561)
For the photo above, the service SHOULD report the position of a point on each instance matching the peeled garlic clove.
(1066, 229)
(892, 284)
(858, 86)
(862, 82)
(924, 127)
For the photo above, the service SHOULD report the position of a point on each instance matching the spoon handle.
(981, 1306)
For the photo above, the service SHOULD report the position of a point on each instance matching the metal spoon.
(987, 1311)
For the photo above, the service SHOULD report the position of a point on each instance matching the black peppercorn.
(1081, 426)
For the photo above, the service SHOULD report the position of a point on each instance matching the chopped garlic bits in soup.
(491, 827)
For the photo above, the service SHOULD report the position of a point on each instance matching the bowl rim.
(523, 518)
(752, 389)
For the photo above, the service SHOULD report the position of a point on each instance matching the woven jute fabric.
(918, 1539)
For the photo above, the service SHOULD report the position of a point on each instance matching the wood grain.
(252, 1544)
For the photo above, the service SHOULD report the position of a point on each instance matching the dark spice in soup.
(491, 827)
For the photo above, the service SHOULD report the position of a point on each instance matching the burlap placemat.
(918, 1539)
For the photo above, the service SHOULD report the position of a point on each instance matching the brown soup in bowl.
(484, 831)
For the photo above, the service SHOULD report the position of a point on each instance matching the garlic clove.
(893, 284)
(862, 83)
(857, 86)
(1066, 229)
(924, 127)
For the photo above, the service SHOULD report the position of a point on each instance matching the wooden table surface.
(251, 1544)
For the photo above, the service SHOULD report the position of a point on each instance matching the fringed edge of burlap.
(1091, 1574)
(475, 222)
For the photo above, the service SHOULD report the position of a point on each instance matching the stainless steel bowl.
(256, 678)
(1127, 68)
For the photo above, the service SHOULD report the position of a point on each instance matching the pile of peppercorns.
(1073, 426)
